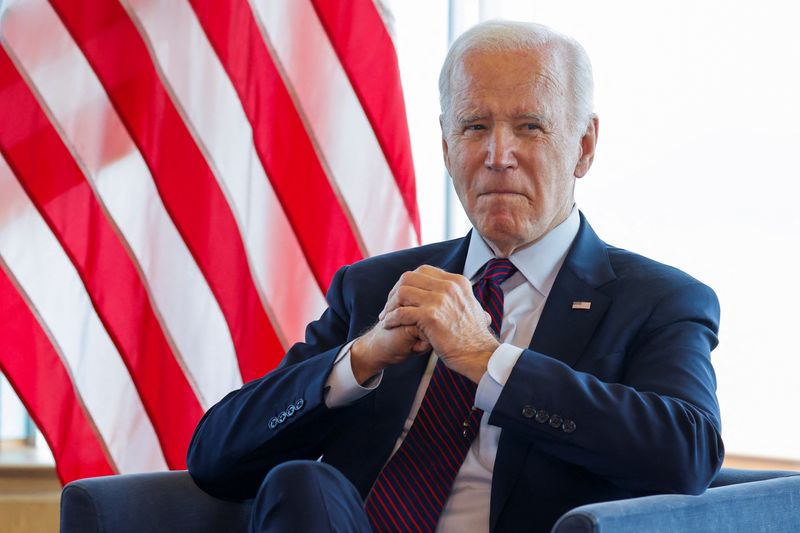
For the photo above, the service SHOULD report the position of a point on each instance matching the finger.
(402, 316)
(395, 288)
(407, 296)
(417, 280)
(419, 343)
(421, 346)
(438, 273)
(432, 271)
(408, 278)
(436, 282)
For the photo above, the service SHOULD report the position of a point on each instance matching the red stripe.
(443, 450)
(423, 499)
(65, 200)
(444, 423)
(319, 220)
(384, 498)
(463, 389)
(378, 510)
(198, 207)
(443, 407)
(446, 399)
(39, 378)
(410, 501)
(498, 293)
(497, 273)
(448, 457)
(439, 405)
(494, 305)
(367, 54)
(378, 514)
(426, 486)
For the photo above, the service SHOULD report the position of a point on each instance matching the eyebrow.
(465, 119)
(535, 117)
(474, 117)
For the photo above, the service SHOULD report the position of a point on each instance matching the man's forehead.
(538, 69)
(544, 57)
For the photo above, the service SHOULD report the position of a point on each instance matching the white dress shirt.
(525, 293)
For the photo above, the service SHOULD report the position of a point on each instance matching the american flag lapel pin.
(584, 306)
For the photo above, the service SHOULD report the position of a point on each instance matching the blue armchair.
(738, 500)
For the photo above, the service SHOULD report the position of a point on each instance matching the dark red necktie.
(412, 488)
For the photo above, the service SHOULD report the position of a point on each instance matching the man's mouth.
(500, 193)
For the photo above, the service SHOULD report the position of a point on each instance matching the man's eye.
(475, 127)
(532, 127)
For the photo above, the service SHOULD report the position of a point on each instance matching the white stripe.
(54, 288)
(200, 84)
(180, 294)
(338, 123)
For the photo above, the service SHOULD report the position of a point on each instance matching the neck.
(506, 249)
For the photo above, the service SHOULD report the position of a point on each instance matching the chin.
(505, 237)
(500, 235)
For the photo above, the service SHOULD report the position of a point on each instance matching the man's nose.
(501, 150)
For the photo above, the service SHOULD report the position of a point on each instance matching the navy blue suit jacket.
(633, 374)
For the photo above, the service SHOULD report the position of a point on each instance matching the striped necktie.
(411, 490)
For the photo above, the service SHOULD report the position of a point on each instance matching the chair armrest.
(147, 503)
(766, 505)
(734, 476)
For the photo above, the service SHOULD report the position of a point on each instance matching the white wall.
(696, 166)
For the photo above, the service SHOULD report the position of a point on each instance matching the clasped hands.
(428, 308)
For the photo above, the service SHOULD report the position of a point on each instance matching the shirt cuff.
(342, 388)
(500, 365)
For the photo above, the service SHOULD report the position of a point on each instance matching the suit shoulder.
(633, 268)
(404, 260)
(377, 275)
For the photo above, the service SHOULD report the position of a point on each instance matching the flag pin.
(582, 305)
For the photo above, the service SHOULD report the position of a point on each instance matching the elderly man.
(493, 382)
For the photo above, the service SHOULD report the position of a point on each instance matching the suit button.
(290, 409)
(273, 423)
(282, 417)
(542, 416)
(568, 426)
(555, 421)
(299, 404)
(528, 411)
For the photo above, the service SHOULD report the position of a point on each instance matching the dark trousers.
(308, 496)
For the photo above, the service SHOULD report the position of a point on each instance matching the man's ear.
(588, 145)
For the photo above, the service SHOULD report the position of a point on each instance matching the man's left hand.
(444, 310)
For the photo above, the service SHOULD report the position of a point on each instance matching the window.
(695, 166)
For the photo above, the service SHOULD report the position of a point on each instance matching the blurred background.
(696, 166)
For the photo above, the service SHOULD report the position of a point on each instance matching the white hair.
(502, 36)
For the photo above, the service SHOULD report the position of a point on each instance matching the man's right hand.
(381, 347)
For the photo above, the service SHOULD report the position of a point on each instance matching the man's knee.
(307, 496)
(292, 473)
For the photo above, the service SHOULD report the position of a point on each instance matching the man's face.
(509, 146)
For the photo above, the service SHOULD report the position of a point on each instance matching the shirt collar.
(539, 263)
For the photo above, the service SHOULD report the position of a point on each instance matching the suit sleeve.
(279, 417)
(657, 429)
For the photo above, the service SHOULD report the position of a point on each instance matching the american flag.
(179, 181)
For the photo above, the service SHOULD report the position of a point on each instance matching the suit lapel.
(563, 333)
(566, 324)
